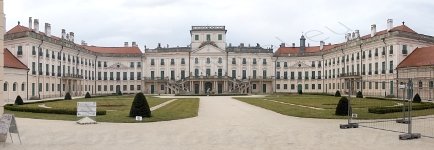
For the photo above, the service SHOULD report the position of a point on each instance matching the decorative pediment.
(300, 65)
(208, 49)
(118, 65)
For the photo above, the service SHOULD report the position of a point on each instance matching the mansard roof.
(103, 50)
(10, 61)
(418, 58)
(312, 49)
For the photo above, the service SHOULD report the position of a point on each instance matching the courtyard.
(222, 123)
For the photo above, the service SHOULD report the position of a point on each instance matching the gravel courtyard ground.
(223, 123)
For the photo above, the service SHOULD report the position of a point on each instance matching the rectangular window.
(285, 75)
(22, 87)
(264, 74)
(278, 75)
(162, 87)
(196, 37)
(208, 37)
(131, 75)
(277, 64)
(254, 61)
(52, 87)
(285, 86)
(111, 87)
(20, 50)
(285, 64)
(233, 61)
(278, 86)
(254, 86)
(220, 37)
(313, 74)
(234, 75)
(172, 61)
(99, 87)
(124, 87)
(124, 74)
(254, 74)
(404, 49)
(139, 75)
(162, 75)
(244, 61)
(105, 64)
(182, 61)
(319, 86)
(152, 62)
(306, 86)
(139, 64)
(105, 87)
(162, 62)
(313, 86)
(292, 86)
(292, 75)
(383, 85)
(132, 65)
(139, 87)
(244, 74)
(264, 61)
(391, 67)
(376, 85)
(306, 75)
(299, 75)
(131, 87)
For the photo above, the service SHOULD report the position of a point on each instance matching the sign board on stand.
(8, 124)
(86, 110)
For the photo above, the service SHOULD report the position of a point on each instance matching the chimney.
(30, 23)
(321, 45)
(357, 34)
(282, 45)
(373, 30)
(83, 42)
(67, 36)
(36, 22)
(133, 44)
(49, 30)
(389, 24)
(63, 34)
(308, 44)
(293, 44)
(302, 44)
(125, 44)
(71, 36)
(46, 29)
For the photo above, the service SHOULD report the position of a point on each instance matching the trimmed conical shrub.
(342, 108)
(119, 92)
(359, 95)
(87, 95)
(68, 96)
(140, 106)
(338, 94)
(19, 100)
(417, 99)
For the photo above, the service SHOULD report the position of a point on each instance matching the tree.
(140, 106)
(416, 98)
(359, 95)
(87, 95)
(68, 96)
(342, 108)
(338, 94)
(19, 100)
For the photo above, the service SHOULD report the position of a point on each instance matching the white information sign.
(85, 109)
(401, 86)
(354, 115)
(8, 124)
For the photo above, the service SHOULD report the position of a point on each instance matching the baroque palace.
(42, 65)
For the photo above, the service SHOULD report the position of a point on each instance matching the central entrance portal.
(208, 86)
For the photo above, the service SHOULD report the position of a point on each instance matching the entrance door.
(208, 86)
(220, 88)
(299, 87)
(196, 88)
(118, 88)
(264, 88)
(152, 89)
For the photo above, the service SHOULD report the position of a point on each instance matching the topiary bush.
(300, 92)
(359, 95)
(417, 99)
(119, 92)
(338, 94)
(68, 96)
(19, 100)
(342, 108)
(87, 95)
(140, 106)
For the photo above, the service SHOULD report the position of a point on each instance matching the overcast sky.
(267, 22)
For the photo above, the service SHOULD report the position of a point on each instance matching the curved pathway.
(223, 123)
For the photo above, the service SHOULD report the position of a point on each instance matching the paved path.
(223, 123)
(161, 105)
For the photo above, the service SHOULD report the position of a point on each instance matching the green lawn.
(328, 103)
(118, 108)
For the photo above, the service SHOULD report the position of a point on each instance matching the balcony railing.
(111, 78)
(349, 74)
(99, 78)
(118, 78)
(72, 75)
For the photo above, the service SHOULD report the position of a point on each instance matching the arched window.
(5, 86)
(22, 86)
(14, 87)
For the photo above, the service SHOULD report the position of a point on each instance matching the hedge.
(385, 110)
(379, 98)
(48, 110)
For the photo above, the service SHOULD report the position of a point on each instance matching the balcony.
(292, 78)
(350, 74)
(67, 75)
(131, 78)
